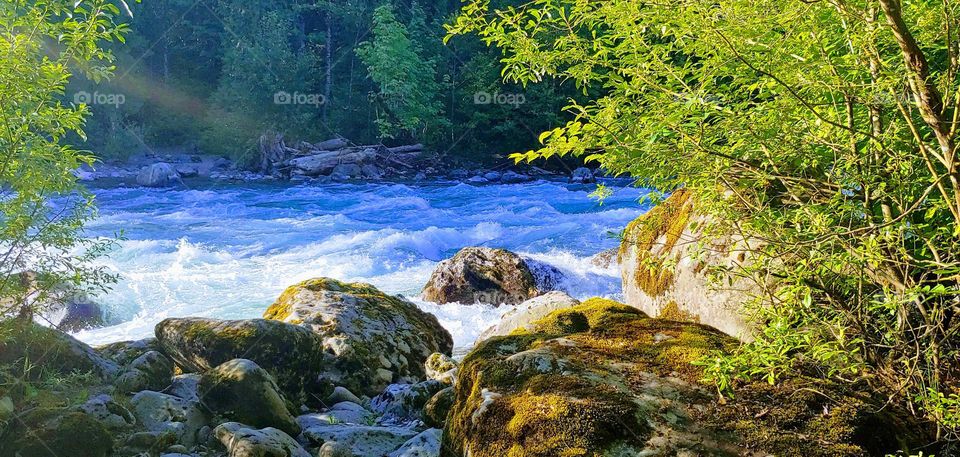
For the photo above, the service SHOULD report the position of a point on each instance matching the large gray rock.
(371, 339)
(528, 312)
(481, 275)
(292, 354)
(243, 441)
(426, 444)
(159, 412)
(242, 391)
(158, 175)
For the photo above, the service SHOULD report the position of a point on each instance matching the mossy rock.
(373, 339)
(47, 351)
(482, 275)
(50, 432)
(623, 384)
(293, 355)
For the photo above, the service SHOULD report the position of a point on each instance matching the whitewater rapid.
(227, 250)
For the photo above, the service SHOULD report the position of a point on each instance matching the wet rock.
(605, 259)
(528, 312)
(426, 444)
(150, 371)
(158, 412)
(242, 391)
(481, 275)
(81, 316)
(436, 410)
(158, 175)
(441, 367)
(582, 175)
(371, 339)
(243, 441)
(405, 402)
(292, 354)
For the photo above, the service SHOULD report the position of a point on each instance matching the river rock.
(108, 412)
(405, 402)
(243, 441)
(441, 367)
(426, 444)
(362, 440)
(342, 394)
(666, 262)
(47, 432)
(158, 175)
(53, 350)
(292, 354)
(528, 312)
(372, 339)
(346, 171)
(481, 275)
(344, 412)
(605, 379)
(150, 371)
(492, 176)
(511, 177)
(582, 175)
(242, 391)
(162, 413)
(436, 410)
(371, 171)
(81, 316)
(185, 386)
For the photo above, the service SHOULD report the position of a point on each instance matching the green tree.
(825, 132)
(41, 44)
(408, 98)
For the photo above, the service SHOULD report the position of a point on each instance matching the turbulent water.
(227, 251)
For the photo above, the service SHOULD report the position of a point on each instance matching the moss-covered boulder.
(372, 339)
(669, 258)
(292, 354)
(48, 351)
(242, 391)
(603, 379)
(528, 312)
(51, 432)
(482, 275)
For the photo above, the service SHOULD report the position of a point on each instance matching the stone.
(346, 171)
(292, 354)
(511, 177)
(481, 275)
(528, 312)
(341, 394)
(185, 386)
(605, 259)
(124, 352)
(334, 449)
(150, 371)
(370, 339)
(158, 175)
(426, 444)
(332, 144)
(243, 392)
(341, 413)
(51, 349)
(371, 171)
(48, 432)
(436, 410)
(478, 180)
(361, 440)
(243, 441)
(492, 176)
(441, 367)
(81, 316)
(583, 175)
(111, 414)
(405, 402)
(159, 412)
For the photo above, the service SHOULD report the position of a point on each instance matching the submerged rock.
(243, 441)
(371, 339)
(602, 378)
(242, 391)
(481, 275)
(528, 312)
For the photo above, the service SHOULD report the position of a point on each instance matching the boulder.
(604, 379)
(371, 171)
(667, 260)
(481, 275)
(492, 176)
(109, 413)
(243, 441)
(315, 165)
(81, 316)
(405, 402)
(361, 440)
(436, 410)
(478, 180)
(165, 414)
(528, 312)
(346, 171)
(53, 350)
(371, 339)
(292, 354)
(241, 391)
(342, 394)
(511, 177)
(124, 352)
(158, 175)
(441, 367)
(582, 175)
(147, 443)
(426, 444)
(150, 371)
(49, 432)
(185, 386)
(605, 259)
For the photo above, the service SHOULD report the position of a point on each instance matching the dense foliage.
(42, 43)
(213, 76)
(824, 133)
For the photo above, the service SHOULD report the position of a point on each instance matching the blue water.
(228, 250)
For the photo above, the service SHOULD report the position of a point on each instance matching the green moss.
(666, 221)
(671, 311)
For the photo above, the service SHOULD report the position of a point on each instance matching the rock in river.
(481, 275)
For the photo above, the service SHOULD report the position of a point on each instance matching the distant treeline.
(216, 74)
